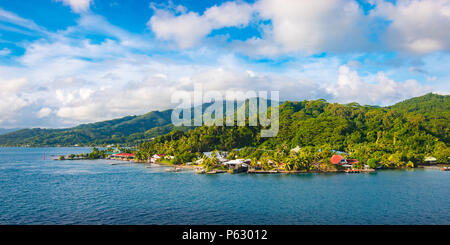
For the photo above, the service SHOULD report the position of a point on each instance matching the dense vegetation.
(396, 136)
(93, 155)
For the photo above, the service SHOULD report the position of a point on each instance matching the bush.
(372, 163)
(410, 164)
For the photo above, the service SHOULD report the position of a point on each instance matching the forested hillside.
(405, 132)
(122, 130)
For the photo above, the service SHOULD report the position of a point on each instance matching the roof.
(430, 159)
(352, 161)
(340, 152)
(218, 154)
(336, 159)
(233, 162)
(124, 154)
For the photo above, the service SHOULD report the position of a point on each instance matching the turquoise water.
(38, 191)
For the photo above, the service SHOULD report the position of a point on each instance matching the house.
(340, 152)
(233, 163)
(340, 160)
(123, 156)
(237, 165)
(350, 163)
(430, 160)
(219, 155)
(156, 157)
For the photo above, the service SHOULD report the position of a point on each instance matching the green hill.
(417, 123)
(122, 130)
(404, 132)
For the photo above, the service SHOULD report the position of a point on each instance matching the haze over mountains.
(7, 130)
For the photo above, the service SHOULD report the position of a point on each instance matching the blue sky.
(64, 62)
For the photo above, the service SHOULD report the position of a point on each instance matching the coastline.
(219, 168)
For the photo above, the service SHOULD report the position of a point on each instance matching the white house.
(220, 155)
(156, 157)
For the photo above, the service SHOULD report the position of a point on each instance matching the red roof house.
(338, 159)
(124, 155)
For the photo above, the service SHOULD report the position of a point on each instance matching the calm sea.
(38, 191)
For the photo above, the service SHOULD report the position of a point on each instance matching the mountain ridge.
(132, 129)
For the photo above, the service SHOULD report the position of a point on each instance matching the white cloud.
(417, 26)
(77, 6)
(65, 78)
(12, 99)
(12, 18)
(313, 26)
(350, 87)
(5, 51)
(44, 112)
(188, 29)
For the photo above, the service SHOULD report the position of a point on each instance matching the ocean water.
(34, 190)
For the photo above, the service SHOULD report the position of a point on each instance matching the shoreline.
(200, 170)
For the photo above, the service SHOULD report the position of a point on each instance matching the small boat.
(113, 163)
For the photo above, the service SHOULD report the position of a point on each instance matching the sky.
(66, 62)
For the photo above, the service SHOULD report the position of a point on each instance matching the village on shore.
(221, 162)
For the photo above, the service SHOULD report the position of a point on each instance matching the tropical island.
(314, 136)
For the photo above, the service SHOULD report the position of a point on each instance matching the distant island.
(314, 136)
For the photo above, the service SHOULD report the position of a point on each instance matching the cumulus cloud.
(188, 29)
(44, 112)
(418, 27)
(350, 87)
(66, 78)
(77, 6)
(310, 27)
(313, 26)
(12, 100)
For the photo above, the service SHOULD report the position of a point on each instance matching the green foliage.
(389, 137)
(96, 154)
(210, 163)
(372, 163)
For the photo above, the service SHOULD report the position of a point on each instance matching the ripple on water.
(37, 191)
